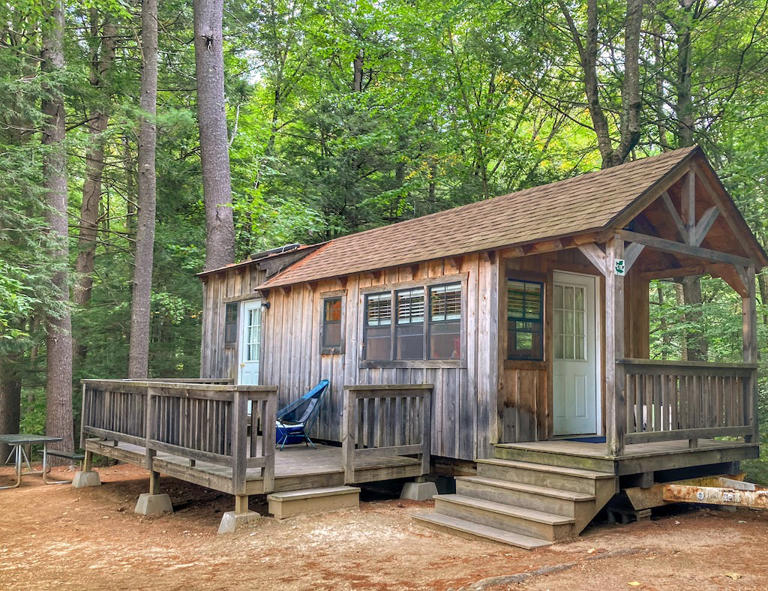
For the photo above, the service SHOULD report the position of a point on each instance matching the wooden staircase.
(522, 503)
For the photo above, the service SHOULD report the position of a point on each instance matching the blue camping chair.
(296, 419)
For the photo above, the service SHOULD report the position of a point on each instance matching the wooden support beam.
(704, 225)
(734, 276)
(683, 249)
(667, 201)
(615, 396)
(595, 256)
(154, 482)
(688, 203)
(749, 351)
(241, 504)
(512, 252)
(631, 253)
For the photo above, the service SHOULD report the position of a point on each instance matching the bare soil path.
(55, 537)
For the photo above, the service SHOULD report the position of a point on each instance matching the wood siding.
(524, 405)
(216, 360)
(464, 396)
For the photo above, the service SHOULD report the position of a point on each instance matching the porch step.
(521, 520)
(530, 496)
(554, 457)
(544, 475)
(478, 530)
(313, 500)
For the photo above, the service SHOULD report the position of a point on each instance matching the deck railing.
(200, 421)
(386, 420)
(673, 400)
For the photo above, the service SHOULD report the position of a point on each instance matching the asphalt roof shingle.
(580, 204)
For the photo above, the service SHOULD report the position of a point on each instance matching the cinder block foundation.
(232, 522)
(85, 479)
(153, 504)
(418, 491)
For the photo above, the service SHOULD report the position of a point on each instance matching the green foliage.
(455, 101)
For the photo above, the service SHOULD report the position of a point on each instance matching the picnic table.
(18, 443)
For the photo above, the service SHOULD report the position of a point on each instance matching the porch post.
(615, 397)
(749, 350)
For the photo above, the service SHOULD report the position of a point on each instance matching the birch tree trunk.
(138, 357)
(59, 422)
(214, 148)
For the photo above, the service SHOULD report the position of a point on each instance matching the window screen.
(378, 326)
(230, 324)
(414, 324)
(331, 340)
(525, 304)
(445, 321)
(410, 324)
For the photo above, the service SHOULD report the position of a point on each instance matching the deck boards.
(296, 467)
(636, 458)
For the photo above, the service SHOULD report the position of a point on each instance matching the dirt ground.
(55, 537)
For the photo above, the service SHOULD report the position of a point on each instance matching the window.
(525, 301)
(426, 324)
(378, 326)
(331, 336)
(409, 342)
(230, 324)
(445, 321)
(569, 334)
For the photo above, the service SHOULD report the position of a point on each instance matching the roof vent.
(279, 250)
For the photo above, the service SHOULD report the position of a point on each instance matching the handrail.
(381, 420)
(198, 421)
(669, 400)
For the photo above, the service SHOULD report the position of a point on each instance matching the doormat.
(592, 439)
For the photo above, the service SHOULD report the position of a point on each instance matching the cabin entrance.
(576, 363)
(250, 343)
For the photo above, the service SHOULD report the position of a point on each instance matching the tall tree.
(138, 360)
(589, 51)
(59, 420)
(103, 35)
(214, 145)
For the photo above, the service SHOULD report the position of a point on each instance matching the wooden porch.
(222, 436)
(637, 458)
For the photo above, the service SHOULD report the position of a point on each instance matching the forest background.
(344, 115)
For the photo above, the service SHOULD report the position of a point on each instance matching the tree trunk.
(357, 72)
(214, 148)
(138, 357)
(696, 344)
(59, 421)
(684, 101)
(10, 401)
(631, 104)
(94, 164)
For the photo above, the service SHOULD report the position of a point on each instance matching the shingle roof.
(585, 203)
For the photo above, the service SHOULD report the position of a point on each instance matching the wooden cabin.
(525, 320)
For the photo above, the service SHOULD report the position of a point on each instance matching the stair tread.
(482, 531)
(311, 493)
(593, 474)
(529, 488)
(506, 509)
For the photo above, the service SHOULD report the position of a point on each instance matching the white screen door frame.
(576, 355)
(250, 343)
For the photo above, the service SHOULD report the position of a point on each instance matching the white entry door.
(250, 343)
(575, 372)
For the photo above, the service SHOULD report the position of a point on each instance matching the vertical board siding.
(464, 398)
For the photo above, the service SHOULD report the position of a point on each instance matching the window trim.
(426, 283)
(329, 295)
(526, 278)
